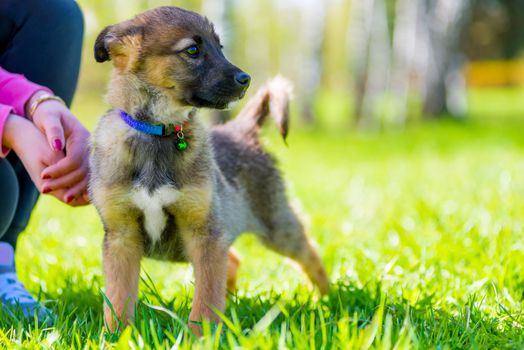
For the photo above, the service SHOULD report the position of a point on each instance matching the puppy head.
(177, 52)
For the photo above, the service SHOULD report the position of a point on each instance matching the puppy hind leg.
(289, 239)
(312, 265)
(233, 264)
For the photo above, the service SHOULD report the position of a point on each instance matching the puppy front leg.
(209, 256)
(122, 257)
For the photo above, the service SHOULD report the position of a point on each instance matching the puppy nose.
(242, 78)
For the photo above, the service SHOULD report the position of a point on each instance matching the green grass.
(421, 231)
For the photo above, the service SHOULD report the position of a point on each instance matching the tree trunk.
(371, 59)
(408, 31)
(311, 69)
(444, 83)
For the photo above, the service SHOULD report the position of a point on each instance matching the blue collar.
(151, 129)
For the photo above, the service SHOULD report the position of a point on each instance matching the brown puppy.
(186, 195)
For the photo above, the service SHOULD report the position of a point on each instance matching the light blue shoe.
(15, 299)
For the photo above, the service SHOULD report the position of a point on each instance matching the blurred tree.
(313, 22)
(407, 39)
(516, 28)
(496, 30)
(422, 59)
(371, 57)
(444, 85)
(485, 37)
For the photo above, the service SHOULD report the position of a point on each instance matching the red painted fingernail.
(57, 144)
(46, 177)
(46, 190)
(69, 199)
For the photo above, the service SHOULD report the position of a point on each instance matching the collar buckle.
(168, 129)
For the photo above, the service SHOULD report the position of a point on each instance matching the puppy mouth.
(215, 102)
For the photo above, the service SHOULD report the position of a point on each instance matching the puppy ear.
(120, 43)
(101, 53)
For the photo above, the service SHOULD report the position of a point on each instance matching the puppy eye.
(192, 51)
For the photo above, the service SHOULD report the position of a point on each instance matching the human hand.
(30, 146)
(68, 176)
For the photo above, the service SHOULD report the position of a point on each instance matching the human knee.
(65, 15)
(9, 190)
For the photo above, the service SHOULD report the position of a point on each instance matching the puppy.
(167, 188)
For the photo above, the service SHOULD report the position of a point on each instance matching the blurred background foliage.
(372, 64)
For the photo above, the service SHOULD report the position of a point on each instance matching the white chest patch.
(152, 205)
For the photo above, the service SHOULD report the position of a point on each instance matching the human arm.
(67, 179)
(15, 91)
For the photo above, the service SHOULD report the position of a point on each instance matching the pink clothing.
(15, 90)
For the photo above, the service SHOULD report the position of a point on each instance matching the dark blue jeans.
(41, 39)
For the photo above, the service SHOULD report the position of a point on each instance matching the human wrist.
(13, 129)
(37, 99)
(37, 94)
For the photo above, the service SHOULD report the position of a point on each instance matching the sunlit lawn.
(427, 221)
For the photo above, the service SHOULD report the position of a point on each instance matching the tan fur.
(209, 258)
(156, 68)
(194, 202)
(125, 50)
(313, 267)
(114, 207)
(233, 263)
(122, 255)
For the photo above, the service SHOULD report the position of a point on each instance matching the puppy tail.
(272, 98)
